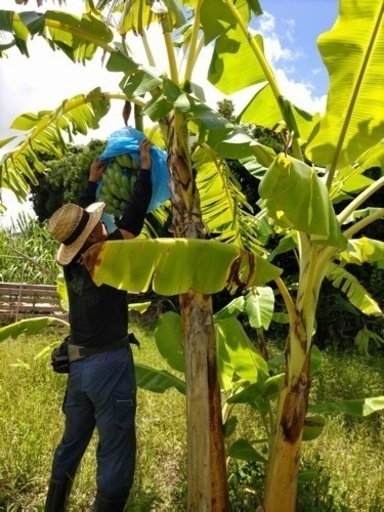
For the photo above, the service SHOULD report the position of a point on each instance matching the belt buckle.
(74, 353)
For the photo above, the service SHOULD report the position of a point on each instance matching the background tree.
(63, 180)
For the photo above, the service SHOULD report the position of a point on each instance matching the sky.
(289, 27)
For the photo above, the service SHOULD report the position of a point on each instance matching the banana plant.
(298, 197)
(330, 155)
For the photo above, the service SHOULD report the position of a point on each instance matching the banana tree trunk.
(207, 480)
(283, 466)
(281, 483)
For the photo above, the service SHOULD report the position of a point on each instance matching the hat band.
(78, 230)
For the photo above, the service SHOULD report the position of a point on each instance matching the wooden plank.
(31, 302)
(27, 285)
(21, 299)
(23, 308)
(27, 289)
(26, 293)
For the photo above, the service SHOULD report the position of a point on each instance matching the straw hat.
(71, 225)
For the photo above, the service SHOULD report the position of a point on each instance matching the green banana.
(134, 165)
(116, 184)
(116, 191)
(125, 187)
(124, 160)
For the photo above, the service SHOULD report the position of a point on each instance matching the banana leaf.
(296, 197)
(352, 52)
(175, 266)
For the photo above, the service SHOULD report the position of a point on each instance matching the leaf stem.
(286, 297)
(363, 196)
(193, 43)
(361, 224)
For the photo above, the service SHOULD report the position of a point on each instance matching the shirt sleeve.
(137, 204)
(89, 195)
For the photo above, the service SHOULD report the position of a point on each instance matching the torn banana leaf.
(173, 266)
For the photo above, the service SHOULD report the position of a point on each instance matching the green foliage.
(27, 253)
(63, 179)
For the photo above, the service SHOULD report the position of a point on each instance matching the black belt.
(76, 352)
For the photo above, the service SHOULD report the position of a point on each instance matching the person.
(101, 387)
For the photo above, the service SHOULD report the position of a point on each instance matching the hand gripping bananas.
(117, 183)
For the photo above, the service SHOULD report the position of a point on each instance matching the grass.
(346, 460)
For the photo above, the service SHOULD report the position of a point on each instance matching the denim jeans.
(101, 393)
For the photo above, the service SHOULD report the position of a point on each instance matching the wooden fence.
(18, 300)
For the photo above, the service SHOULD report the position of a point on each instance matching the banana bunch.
(117, 183)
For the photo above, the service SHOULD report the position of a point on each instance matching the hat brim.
(66, 253)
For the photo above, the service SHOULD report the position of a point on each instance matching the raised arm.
(132, 221)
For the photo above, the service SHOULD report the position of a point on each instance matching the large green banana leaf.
(175, 266)
(353, 54)
(215, 26)
(233, 75)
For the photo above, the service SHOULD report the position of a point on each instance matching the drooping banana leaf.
(44, 133)
(296, 197)
(28, 326)
(174, 266)
(352, 52)
(224, 207)
(361, 250)
(137, 15)
(356, 293)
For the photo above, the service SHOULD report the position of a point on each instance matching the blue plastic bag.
(127, 140)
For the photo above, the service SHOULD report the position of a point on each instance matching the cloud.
(275, 49)
(300, 93)
(284, 56)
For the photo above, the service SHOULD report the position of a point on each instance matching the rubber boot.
(102, 504)
(58, 495)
